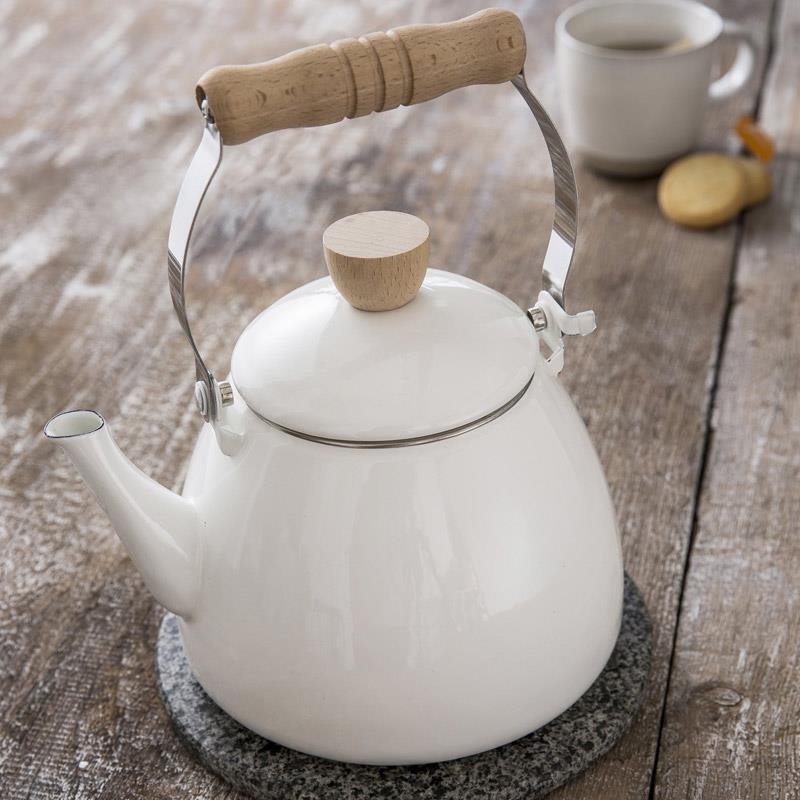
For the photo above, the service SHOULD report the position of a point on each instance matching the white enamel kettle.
(395, 542)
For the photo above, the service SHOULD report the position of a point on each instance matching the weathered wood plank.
(97, 128)
(663, 291)
(731, 727)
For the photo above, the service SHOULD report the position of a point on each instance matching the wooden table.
(690, 387)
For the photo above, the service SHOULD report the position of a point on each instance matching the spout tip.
(80, 422)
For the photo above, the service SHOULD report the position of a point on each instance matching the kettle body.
(405, 604)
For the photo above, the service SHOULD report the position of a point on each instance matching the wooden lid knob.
(377, 259)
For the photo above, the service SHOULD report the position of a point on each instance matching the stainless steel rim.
(380, 444)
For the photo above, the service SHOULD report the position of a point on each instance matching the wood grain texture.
(731, 726)
(322, 84)
(90, 171)
(377, 259)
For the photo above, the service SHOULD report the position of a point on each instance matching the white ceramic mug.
(635, 78)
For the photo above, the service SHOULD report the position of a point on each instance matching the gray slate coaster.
(526, 769)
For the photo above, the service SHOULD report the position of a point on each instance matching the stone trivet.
(528, 768)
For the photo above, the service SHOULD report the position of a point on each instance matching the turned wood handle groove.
(323, 84)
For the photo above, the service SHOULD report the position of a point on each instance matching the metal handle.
(561, 247)
(195, 184)
(210, 395)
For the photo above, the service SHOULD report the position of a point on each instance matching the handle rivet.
(226, 393)
(538, 318)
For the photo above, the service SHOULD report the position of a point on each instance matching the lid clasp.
(553, 323)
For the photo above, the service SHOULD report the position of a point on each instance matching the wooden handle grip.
(350, 78)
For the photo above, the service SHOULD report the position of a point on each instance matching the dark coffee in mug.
(649, 46)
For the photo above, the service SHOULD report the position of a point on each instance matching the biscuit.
(757, 180)
(703, 190)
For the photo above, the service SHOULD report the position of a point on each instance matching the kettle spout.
(157, 526)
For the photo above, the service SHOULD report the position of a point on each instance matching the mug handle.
(742, 68)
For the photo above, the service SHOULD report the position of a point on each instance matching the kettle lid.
(368, 355)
